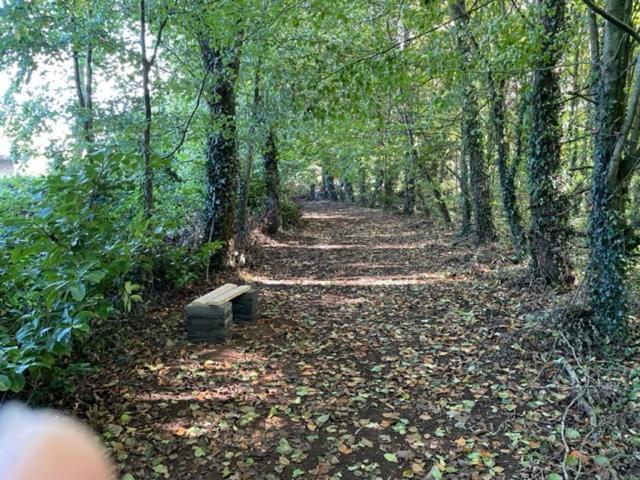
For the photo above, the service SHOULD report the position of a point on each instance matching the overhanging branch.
(616, 21)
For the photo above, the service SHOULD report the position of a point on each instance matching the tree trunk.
(330, 192)
(426, 208)
(363, 191)
(547, 205)
(409, 183)
(433, 181)
(146, 132)
(272, 185)
(507, 175)
(221, 155)
(84, 92)
(484, 228)
(348, 191)
(607, 262)
(388, 188)
(376, 195)
(432, 185)
(245, 180)
(465, 195)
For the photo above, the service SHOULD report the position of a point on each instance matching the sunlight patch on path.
(423, 279)
(354, 246)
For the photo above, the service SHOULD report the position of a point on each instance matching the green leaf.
(17, 383)
(602, 460)
(391, 457)
(435, 473)
(160, 468)
(571, 433)
(128, 476)
(95, 276)
(78, 291)
(322, 419)
(554, 476)
(283, 447)
(5, 383)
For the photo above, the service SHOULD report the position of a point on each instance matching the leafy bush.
(290, 210)
(76, 248)
(291, 213)
(177, 266)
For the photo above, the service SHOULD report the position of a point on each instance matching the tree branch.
(615, 163)
(158, 40)
(186, 127)
(616, 21)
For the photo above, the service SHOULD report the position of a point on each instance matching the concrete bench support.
(246, 307)
(210, 318)
(209, 323)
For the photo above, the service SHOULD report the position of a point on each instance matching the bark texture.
(548, 207)
(505, 172)
(272, 184)
(607, 262)
(221, 155)
(484, 228)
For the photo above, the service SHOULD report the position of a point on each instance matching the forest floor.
(384, 351)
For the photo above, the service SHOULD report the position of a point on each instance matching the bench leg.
(246, 307)
(209, 323)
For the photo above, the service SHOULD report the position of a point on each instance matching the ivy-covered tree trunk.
(424, 169)
(426, 207)
(547, 205)
(363, 189)
(484, 228)
(465, 195)
(348, 191)
(388, 188)
(607, 226)
(221, 155)
(507, 174)
(409, 183)
(376, 195)
(330, 192)
(438, 197)
(272, 185)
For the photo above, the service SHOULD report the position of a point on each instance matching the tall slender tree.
(506, 171)
(484, 228)
(247, 166)
(272, 184)
(548, 237)
(146, 65)
(616, 155)
(222, 166)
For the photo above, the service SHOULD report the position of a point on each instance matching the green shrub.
(291, 213)
(75, 247)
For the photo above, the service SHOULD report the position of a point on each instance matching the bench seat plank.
(211, 296)
(226, 296)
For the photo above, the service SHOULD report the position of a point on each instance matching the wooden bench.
(210, 318)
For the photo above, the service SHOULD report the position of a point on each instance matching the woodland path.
(383, 352)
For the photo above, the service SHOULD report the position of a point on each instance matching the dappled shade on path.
(382, 352)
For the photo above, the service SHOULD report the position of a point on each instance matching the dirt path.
(383, 353)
